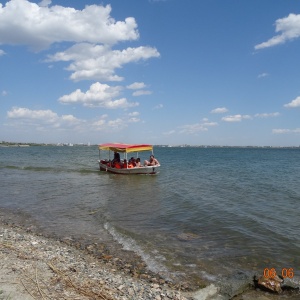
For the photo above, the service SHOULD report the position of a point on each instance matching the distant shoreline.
(19, 144)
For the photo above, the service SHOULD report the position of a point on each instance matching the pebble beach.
(36, 267)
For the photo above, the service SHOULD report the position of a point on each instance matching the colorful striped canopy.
(116, 147)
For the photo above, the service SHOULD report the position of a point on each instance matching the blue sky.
(209, 72)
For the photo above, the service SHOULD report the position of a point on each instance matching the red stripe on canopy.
(118, 147)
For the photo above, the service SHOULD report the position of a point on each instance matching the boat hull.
(150, 170)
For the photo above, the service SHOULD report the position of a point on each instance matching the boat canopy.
(116, 147)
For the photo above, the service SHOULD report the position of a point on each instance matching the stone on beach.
(188, 236)
(272, 284)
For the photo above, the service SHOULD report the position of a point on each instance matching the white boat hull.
(151, 170)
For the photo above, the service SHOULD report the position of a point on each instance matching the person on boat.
(118, 165)
(116, 160)
(132, 162)
(138, 162)
(116, 157)
(152, 161)
(125, 164)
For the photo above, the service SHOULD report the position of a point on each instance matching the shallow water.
(210, 213)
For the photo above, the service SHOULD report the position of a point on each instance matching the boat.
(112, 152)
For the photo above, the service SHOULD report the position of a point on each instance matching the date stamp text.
(284, 272)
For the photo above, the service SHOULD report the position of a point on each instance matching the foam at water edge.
(131, 245)
(208, 293)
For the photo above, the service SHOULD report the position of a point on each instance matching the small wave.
(31, 168)
(87, 171)
(130, 245)
(209, 277)
(50, 169)
(209, 292)
(9, 167)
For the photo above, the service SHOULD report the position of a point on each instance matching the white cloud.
(38, 27)
(117, 124)
(41, 118)
(267, 115)
(219, 110)
(92, 31)
(141, 93)
(159, 106)
(26, 118)
(236, 118)
(4, 93)
(69, 119)
(289, 28)
(195, 128)
(133, 117)
(134, 114)
(209, 124)
(136, 86)
(286, 131)
(134, 120)
(45, 3)
(263, 75)
(239, 117)
(294, 103)
(99, 123)
(25, 113)
(169, 132)
(99, 95)
(99, 62)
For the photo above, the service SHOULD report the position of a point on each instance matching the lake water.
(210, 213)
